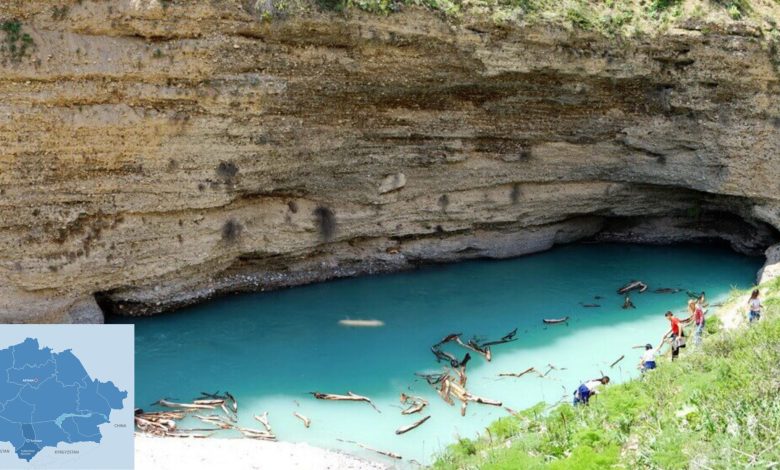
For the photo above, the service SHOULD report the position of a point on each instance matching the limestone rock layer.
(155, 155)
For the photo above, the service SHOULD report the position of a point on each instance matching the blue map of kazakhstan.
(47, 398)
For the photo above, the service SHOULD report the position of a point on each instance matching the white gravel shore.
(160, 453)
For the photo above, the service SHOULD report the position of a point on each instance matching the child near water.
(648, 358)
(754, 304)
(588, 389)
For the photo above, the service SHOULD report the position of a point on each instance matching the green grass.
(716, 407)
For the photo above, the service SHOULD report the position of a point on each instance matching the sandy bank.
(236, 454)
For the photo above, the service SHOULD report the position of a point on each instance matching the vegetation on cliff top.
(610, 17)
(717, 407)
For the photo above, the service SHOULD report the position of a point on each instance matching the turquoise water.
(270, 349)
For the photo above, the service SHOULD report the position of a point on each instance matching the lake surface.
(271, 349)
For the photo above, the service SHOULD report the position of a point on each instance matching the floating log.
(464, 395)
(417, 404)
(383, 452)
(186, 406)
(512, 374)
(618, 360)
(362, 323)
(444, 356)
(208, 402)
(256, 434)
(230, 415)
(464, 361)
(264, 421)
(144, 425)
(509, 337)
(667, 290)
(444, 391)
(473, 346)
(553, 321)
(235, 402)
(216, 421)
(348, 397)
(448, 338)
(633, 285)
(306, 421)
(405, 429)
(157, 415)
(432, 379)
(550, 368)
(484, 401)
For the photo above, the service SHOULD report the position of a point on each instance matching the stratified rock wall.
(158, 153)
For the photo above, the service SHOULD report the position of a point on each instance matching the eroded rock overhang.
(249, 155)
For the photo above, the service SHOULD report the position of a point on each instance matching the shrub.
(17, 44)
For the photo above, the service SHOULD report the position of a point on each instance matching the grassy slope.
(609, 17)
(718, 407)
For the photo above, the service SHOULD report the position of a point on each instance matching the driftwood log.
(234, 402)
(264, 421)
(256, 434)
(416, 404)
(512, 374)
(213, 402)
(215, 420)
(618, 360)
(348, 397)
(306, 421)
(185, 406)
(405, 429)
(473, 346)
(382, 452)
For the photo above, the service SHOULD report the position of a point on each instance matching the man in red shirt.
(676, 333)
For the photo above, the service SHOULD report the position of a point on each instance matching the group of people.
(676, 338)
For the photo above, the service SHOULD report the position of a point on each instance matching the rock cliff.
(155, 153)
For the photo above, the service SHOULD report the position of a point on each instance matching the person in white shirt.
(648, 358)
(588, 389)
(755, 307)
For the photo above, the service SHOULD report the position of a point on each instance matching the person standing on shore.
(698, 321)
(754, 304)
(675, 334)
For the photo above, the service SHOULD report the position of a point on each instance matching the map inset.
(48, 398)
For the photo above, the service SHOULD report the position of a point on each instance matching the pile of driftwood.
(451, 384)
(166, 423)
(473, 345)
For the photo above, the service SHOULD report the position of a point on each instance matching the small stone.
(392, 183)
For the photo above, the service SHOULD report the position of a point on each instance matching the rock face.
(155, 154)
